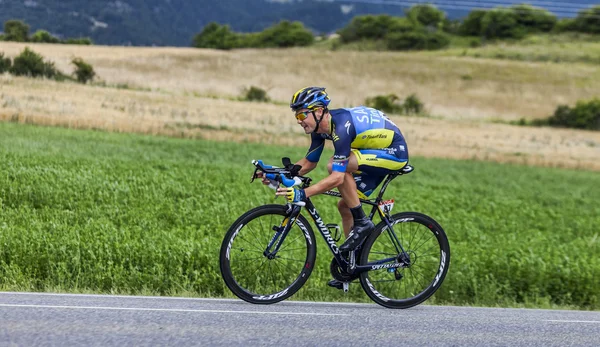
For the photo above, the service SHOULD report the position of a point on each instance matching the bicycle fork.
(281, 232)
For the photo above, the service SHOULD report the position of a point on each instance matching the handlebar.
(288, 175)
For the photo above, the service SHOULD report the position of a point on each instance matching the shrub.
(426, 15)
(84, 72)
(16, 30)
(534, 19)
(471, 26)
(255, 94)
(412, 105)
(374, 27)
(79, 41)
(286, 34)
(216, 36)
(5, 63)
(565, 24)
(417, 40)
(585, 115)
(501, 23)
(31, 64)
(390, 104)
(588, 21)
(386, 103)
(43, 36)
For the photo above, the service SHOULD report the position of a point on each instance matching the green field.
(85, 211)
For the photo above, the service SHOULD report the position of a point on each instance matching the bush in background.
(585, 115)
(417, 40)
(16, 30)
(501, 23)
(391, 103)
(5, 63)
(216, 36)
(286, 34)
(42, 36)
(86, 41)
(84, 72)
(534, 19)
(31, 64)
(588, 21)
(255, 94)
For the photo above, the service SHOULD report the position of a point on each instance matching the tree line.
(18, 31)
(423, 27)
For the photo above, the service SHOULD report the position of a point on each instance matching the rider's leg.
(347, 220)
(362, 225)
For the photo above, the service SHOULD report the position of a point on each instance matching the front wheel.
(426, 259)
(254, 274)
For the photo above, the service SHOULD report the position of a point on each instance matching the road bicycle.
(269, 252)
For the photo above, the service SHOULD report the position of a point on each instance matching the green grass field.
(85, 211)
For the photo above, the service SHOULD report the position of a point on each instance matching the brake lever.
(254, 175)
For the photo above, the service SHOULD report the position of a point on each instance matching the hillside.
(174, 22)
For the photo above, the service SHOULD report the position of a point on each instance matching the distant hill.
(174, 22)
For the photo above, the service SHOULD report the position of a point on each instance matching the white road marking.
(110, 296)
(174, 310)
(574, 321)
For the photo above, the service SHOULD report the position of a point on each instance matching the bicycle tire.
(249, 281)
(377, 283)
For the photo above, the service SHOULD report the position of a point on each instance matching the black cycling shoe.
(362, 228)
(336, 284)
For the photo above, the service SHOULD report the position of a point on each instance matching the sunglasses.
(302, 115)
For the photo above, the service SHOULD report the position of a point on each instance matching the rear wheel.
(426, 245)
(253, 275)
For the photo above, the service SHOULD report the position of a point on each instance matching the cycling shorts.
(374, 165)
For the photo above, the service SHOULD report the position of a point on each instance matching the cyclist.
(368, 146)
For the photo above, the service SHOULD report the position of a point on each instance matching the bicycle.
(269, 252)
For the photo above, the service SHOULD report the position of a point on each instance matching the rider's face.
(305, 118)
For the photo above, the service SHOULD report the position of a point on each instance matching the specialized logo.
(377, 294)
(272, 296)
(231, 240)
(386, 266)
(347, 125)
(325, 232)
(304, 230)
(441, 270)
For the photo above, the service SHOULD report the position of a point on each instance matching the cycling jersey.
(375, 140)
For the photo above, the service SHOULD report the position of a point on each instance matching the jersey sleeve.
(317, 144)
(343, 133)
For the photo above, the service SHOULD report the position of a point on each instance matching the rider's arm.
(307, 166)
(335, 179)
(342, 139)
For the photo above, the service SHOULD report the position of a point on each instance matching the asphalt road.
(28, 319)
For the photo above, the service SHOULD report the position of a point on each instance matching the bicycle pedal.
(346, 287)
(337, 234)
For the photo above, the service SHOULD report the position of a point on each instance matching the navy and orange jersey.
(358, 128)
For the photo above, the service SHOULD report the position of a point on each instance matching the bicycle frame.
(352, 268)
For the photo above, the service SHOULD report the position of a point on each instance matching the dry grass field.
(190, 93)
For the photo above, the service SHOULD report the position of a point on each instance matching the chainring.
(340, 274)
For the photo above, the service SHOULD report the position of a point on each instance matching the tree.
(588, 21)
(286, 34)
(501, 23)
(44, 37)
(16, 30)
(534, 19)
(84, 72)
(426, 15)
(216, 36)
(373, 27)
(471, 25)
(417, 40)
